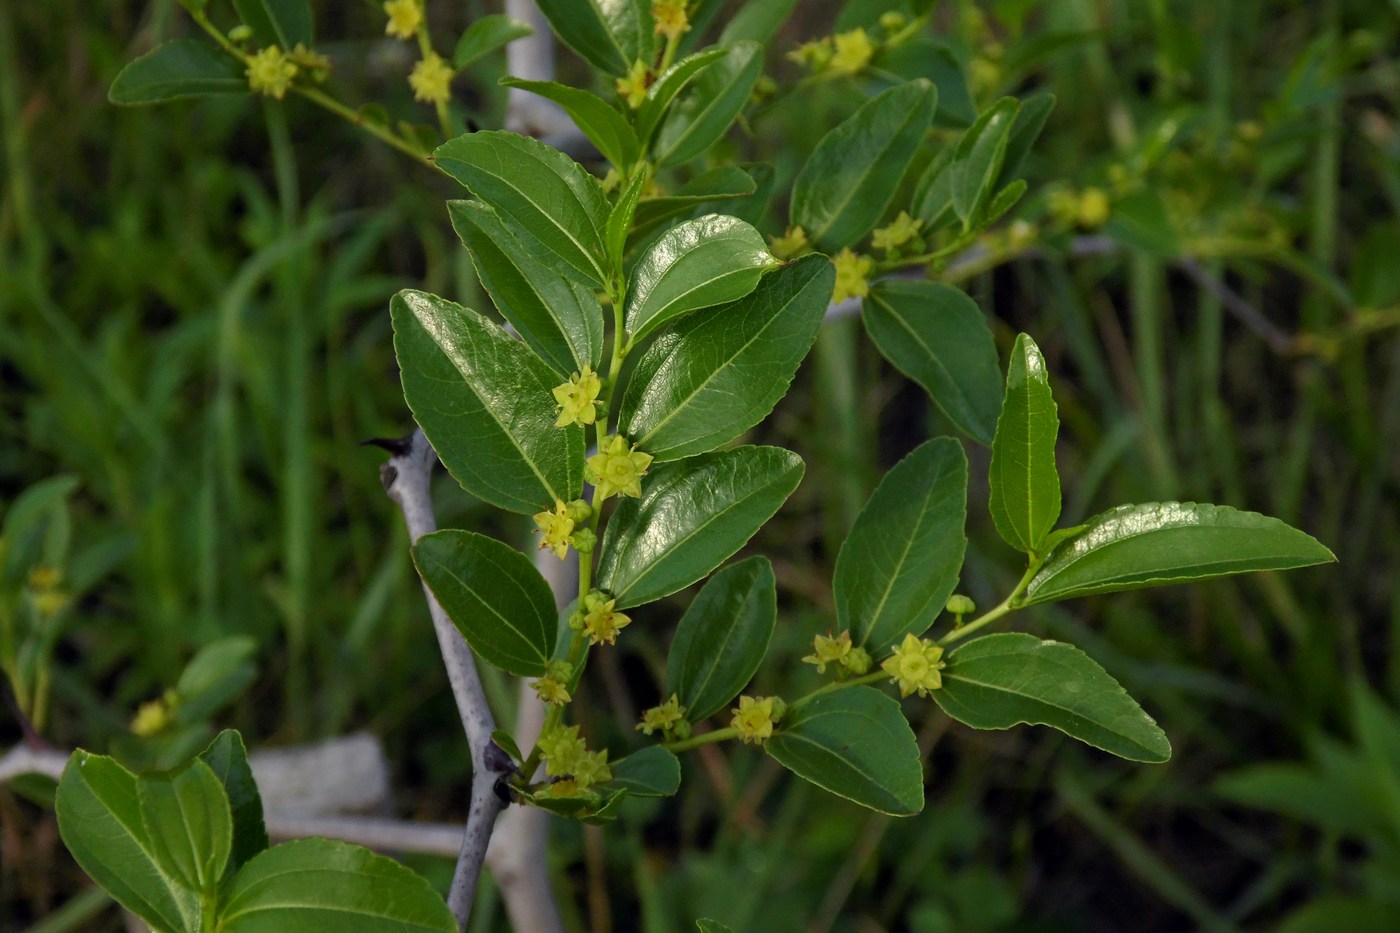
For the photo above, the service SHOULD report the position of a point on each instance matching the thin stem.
(706, 738)
(1007, 605)
(873, 677)
(381, 133)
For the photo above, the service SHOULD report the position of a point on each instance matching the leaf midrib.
(850, 194)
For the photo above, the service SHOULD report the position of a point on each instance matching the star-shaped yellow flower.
(601, 620)
(431, 80)
(270, 72)
(617, 469)
(405, 16)
(915, 665)
(791, 243)
(662, 718)
(633, 88)
(852, 275)
(754, 718)
(555, 525)
(853, 52)
(671, 19)
(578, 398)
(900, 231)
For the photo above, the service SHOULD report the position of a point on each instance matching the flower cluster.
(915, 665)
(599, 619)
(270, 71)
(431, 80)
(616, 469)
(405, 16)
(566, 755)
(852, 275)
(672, 21)
(558, 527)
(755, 717)
(553, 687)
(634, 85)
(578, 398)
(903, 229)
(668, 719)
(839, 651)
(845, 53)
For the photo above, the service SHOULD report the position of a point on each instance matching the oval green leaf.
(187, 818)
(610, 34)
(697, 264)
(938, 337)
(721, 183)
(978, 159)
(1000, 681)
(857, 744)
(712, 376)
(485, 36)
(850, 178)
(322, 884)
(666, 87)
(598, 120)
(621, 216)
(1025, 486)
(707, 109)
(553, 206)
(722, 637)
(99, 819)
(485, 403)
(494, 595)
(183, 68)
(649, 772)
(692, 515)
(1134, 546)
(559, 318)
(1035, 110)
(228, 759)
(901, 561)
(283, 23)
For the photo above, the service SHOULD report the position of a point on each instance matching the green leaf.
(650, 772)
(555, 208)
(938, 337)
(713, 375)
(283, 23)
(721, 183)
(183, 68)
(610, 34)
(857, 744)
(99, 818)
(692, 515)
(485, 403)
(706, 925)
(706, 111)
(485, 36)
(1025, 486)
(495, 597)
(1004, 200)
(559, 318)
(978, 159)
(216, 676)
(1134, 546)
(1000, 681)
(703, 262)
(901, 561)
(933, 195)
(188, 821)
(1035, 110)
(852, 175)
(722, 637)
(621, 217)
(935, 62)
(228, 759)
(322, 884)
(599, 121)
(667, 86)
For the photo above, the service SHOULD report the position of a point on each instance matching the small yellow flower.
(553, 688)
(671, 19)
(633, 88)
(662, 718)
(915, 666)
(405, 16)
(562, 749)
(900, 231)
(555, 526)
(314, 62)
(814, 56)
(853, 52)
(754, 718)
(960, 605)
(270, 72)
(827, 649)
(616, 469)
(431, 80)
(601, 621)
(44, 577)
(578, 398)
(1093, 208)
(852, 275)
(791, 243)
(155, 716)
(592, 768)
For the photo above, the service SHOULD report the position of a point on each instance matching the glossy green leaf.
(486, 35)
(703, 262)
(559, 318)
(649, 772)
(717, 373)
(1025, 486)
(554, 207)
(1004, 200)
(485, 403)
(621, 217)
(610, 34)
(283, 23)
(857, 744)
(692, 515)
(665, 89)
(1134, 546)
(189, 824)
(183, 68)
(721, 183)
(596, 118)
(851, 177)
(228, 760)
(323, 884)
(933, 195)
(495, 597)
(216, 676)
(1000, 681)
(978, 159)
(901, 561)
(1035, 110)
(99, 818)
(938, 337)
(710, 106)
(722, 637)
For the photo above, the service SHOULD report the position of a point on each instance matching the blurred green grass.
(192, 323)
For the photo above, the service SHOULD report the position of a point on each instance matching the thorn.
(398, 446)
(473, 126)
(387, 474)
(497, 759)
